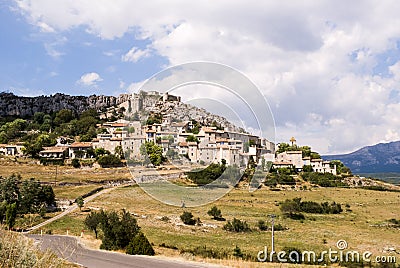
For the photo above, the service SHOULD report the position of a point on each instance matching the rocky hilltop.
(171, 106)
(19, 106)
(12, 105)
(382, 157)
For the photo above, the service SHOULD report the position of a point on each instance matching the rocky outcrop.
(12, 105)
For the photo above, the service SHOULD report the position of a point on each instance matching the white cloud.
(135, 54)
(314, 61)
(89, 79)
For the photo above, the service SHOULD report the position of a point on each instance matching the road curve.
(67, 247)
(70, 209)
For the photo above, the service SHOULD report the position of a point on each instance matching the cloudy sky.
(329, 71)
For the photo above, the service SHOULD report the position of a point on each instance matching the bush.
(140, 245)
(237, 226)
(262, 226)
(165, 219)
(215, 213)
(119, 229)
(323, 179)
(205, 252)
(279, 227)
(295, 216)
(296, 205)
(187, 218)
(109, 161)
(75, 163)
(237, 252)
(206, 175)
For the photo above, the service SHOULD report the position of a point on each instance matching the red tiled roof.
(54, 149)
(81, 145)
(183, 144)
(119, 125)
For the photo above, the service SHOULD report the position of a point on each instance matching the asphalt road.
(68, 248)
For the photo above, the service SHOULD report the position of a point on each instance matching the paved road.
(72, 208)
(68, 248)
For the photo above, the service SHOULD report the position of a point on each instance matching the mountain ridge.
(381, 157)
(21, 106)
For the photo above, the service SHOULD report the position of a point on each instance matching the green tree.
(11, 215)
(191, 138)
(89, 113)
(9, 190)
(118, 230)
(12, 130)
(109, 161)
(38, 118)
(75, 163)
(308, 168)
(340, 167)
(80, 202)
(35, 144)
(92, 221)
(119, 152)
(63, 116)
(315, 155)
(3, 209)
(153, 152)
(140, 245)
(100, 152)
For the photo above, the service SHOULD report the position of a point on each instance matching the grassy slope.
(368, 208)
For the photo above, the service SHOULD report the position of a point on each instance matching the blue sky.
(330, 72)
(36, 62)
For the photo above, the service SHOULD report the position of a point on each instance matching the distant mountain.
(382, 157)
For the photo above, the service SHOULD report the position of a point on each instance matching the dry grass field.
(362, 226)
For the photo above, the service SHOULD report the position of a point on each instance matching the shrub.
(323, 179)
(187, 218)
(262, 226)
(279, 227)
(118, 229)
(140, 245)
(295, 216)
(237, 252)
(215, 213)
(165, 218)
(206, 175)
(75, 163)
(205, 252)
(296, 205)
(237, 226)
(109, 161)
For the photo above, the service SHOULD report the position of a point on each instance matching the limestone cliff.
(12, 105)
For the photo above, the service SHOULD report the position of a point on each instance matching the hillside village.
(190, 134)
